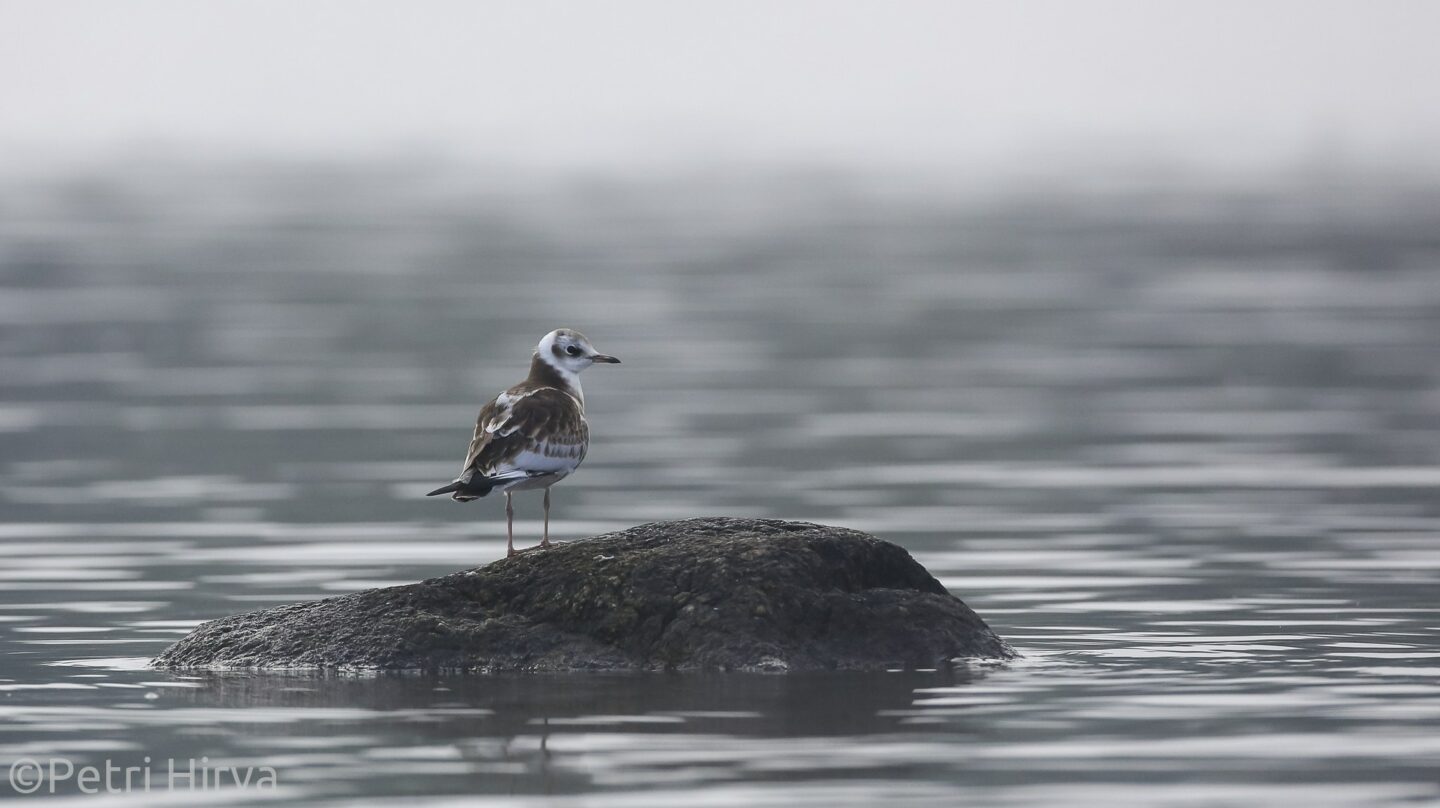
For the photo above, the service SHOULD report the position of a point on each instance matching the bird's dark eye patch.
(573, 350)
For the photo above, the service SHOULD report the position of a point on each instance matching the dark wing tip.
(451, 488)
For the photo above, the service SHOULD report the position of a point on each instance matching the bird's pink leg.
(509, 526)
(545, 542)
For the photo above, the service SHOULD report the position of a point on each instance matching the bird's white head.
(570, 352)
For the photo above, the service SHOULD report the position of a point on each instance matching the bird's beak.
(600, 357)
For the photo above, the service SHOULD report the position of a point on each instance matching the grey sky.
(615, 83)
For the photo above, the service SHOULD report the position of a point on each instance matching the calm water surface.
(1181, 449)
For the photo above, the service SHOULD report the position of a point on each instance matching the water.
(1181, 448)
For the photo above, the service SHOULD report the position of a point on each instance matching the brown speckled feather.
(480, 438)
(522, 429)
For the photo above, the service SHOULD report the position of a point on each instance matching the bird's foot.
(545, 542)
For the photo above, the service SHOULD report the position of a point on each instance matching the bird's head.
(570, 350)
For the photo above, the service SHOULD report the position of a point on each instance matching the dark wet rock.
(697, 594)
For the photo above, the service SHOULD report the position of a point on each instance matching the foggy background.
(959, 87)
(1121, 317)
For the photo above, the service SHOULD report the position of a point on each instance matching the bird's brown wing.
(544, 423)
(482, 437)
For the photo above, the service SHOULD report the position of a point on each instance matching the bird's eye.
(573, 350)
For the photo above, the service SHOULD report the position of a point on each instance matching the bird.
(534, 434)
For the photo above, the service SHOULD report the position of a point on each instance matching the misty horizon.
(920, 87)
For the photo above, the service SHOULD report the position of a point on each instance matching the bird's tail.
(463, 490)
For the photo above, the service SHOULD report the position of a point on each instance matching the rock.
(696, 594)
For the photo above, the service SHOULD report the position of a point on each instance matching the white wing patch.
(501, 425)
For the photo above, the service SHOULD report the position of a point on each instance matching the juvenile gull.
(534, 434)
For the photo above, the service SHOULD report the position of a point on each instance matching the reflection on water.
(1180, 448)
